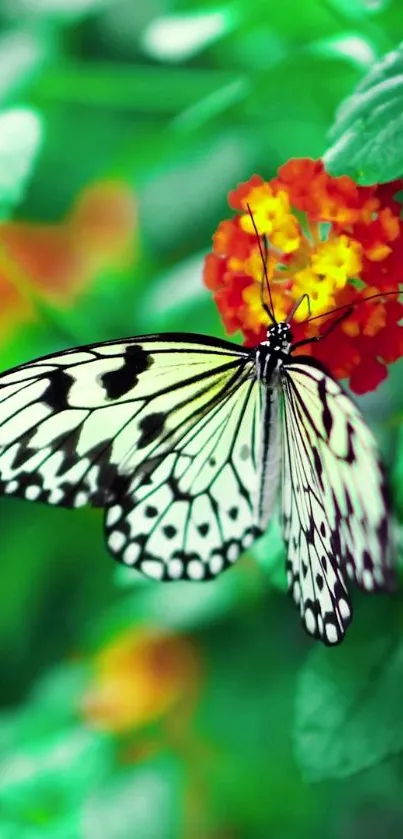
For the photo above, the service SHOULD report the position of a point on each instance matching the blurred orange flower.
(138, 678)
(328, 238)
(56, 262)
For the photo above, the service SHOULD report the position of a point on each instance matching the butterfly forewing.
(163, 431)
(334, 500)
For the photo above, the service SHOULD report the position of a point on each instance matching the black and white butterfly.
(185, 439)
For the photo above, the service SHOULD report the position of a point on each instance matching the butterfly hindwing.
(189, 510)
(334, 500)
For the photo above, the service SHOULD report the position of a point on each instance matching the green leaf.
(20, 139)
(348, 706)
(367, 137)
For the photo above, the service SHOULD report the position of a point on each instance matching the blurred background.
(129, 709)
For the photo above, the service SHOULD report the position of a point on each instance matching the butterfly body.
(185, 439)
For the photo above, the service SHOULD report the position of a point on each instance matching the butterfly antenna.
(296, 306)
(325, 333)
(348, 309)
(263, 256)
(351, 306)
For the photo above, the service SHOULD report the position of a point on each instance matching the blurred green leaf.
(58, 694)
(245, 717)
(57, 10)
(348, 706)
(269, 552)
(42, 780)
(358, 10)
(317, 20)
(119, 86)
(23, 54)
(367, 136)
(65, 828)
(21, 133)
(182, 606)
(294, 101)
(143, 802)
(179, 37)
(178, 301)
(349, 46)
(212, 106)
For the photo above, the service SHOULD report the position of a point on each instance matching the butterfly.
(185, 441)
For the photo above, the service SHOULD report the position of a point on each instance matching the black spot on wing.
(319, 581)
(170, 531)
(57, 391)
(318, 466)
(117, 383)
(350, 455)
(24, 452)
(203, 528)
(68, 443)
(151, 427)
(367, 561)
(326, 414)
(382, 532)
(151, 512)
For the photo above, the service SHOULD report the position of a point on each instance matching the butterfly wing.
(194, 506)
(163, 431)
(335, 516)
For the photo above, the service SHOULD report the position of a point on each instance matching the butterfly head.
(279, 337)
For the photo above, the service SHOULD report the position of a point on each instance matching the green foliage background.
(275, 737)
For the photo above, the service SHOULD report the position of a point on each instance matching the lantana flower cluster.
(327, 238)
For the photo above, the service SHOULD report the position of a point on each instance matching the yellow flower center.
(317, 267)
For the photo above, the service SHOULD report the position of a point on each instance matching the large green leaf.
(349, 700)
(367, 137)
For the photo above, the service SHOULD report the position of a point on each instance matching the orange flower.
(138, 678)
(15, 306)
(327, 237)
(56, 261)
